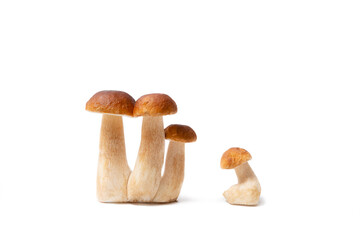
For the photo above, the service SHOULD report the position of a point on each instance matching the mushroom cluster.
(115, 181)
(247, 190)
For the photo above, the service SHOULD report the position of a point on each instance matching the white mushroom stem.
(247, 191)
(245, 173)
(145, 179)
(173, 177)
(113, 169)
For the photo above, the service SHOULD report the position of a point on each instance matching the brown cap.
(155, 104)
(112, 102)
(180, 133)
(234, 157)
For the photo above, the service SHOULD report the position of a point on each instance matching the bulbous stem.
(113, 169)
(247, 191)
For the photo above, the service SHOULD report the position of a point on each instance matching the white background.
(278, 78)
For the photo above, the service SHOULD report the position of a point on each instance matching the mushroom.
(145, 179)
(113, 169)
(247, 191)
(171, 181)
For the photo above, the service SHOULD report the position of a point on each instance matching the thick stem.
(245, 173)
(173, 177)
(145, 179)
(247, 191)
(113, 169)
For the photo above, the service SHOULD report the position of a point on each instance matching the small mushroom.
(247, 191)
(113, 169)
(145, 179)
(173, 177)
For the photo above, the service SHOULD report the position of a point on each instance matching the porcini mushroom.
(145, 179)
(171, 181)
(247, 191)
(113, 169)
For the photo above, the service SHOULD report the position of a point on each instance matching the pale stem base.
(145, 179)
(247, 191)
(171, 182)
(113, 169)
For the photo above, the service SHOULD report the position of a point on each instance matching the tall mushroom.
(113, 169)
(247, 191)
(145, 179)
(171, 181)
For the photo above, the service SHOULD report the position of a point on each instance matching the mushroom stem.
(145, 179)
(113, 169)
(247, 191)
(171, 182)
(245, 173)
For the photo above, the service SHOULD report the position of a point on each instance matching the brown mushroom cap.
(234, 157)
(180, 133)
(155, 104)
(111, 102)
